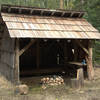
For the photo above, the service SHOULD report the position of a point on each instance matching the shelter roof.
(27, 22)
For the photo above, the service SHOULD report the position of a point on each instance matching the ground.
(91, 91)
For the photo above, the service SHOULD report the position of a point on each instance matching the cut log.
(80, 77)
(74, 83)
(79, 81)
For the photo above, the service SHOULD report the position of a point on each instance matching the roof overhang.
(27, 22)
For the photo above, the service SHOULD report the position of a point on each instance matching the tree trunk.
(61, 4)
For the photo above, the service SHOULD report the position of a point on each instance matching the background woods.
(92, 7)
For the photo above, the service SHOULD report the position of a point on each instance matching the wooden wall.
(6, 55)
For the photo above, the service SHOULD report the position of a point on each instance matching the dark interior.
(53, 55)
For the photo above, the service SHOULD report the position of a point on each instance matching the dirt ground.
(90, 91)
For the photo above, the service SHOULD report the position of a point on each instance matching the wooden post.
(90, 69)
(38, 55)
(61, 4)
(16, 61)
(65, 53)
(75, 51)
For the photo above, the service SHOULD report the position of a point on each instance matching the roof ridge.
(41, 11)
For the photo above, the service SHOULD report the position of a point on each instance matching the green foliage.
(53, 4)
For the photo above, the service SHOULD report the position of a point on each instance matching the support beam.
(38, 55)
(90, 69)
(26, 47)
(65, 52)
(84, 49)
(75, 51)
(31, 11)
(16, 73)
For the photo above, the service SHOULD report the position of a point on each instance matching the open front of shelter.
(36, 41)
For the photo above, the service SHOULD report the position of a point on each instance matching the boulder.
(22, 89)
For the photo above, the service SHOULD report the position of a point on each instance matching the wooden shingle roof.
(47, 23)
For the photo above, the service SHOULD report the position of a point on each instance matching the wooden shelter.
(34, 40)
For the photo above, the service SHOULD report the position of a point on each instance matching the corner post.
(17, 81)
(90, 69)
(38, 55)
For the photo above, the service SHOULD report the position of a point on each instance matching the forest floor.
(90, 91)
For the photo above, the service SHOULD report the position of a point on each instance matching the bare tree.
(82, 3)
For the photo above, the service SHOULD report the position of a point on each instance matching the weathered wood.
(26, 47)
(42, 71)
(84, 49)
(90, 69)
(80, 77)
(16, 61)
(38, 55)
(74, 83)
(65, 53)
(77, 63)
(75, 52)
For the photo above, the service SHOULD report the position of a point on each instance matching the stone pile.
(52, 81)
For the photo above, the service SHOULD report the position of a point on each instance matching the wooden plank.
(90, 69)
(26, 47)
(17, 80)
(77, 63)
(84, 49)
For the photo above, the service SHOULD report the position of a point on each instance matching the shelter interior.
(51, 55)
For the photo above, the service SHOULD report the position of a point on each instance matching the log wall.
(6, 55)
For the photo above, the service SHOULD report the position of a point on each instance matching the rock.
(22, 89)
